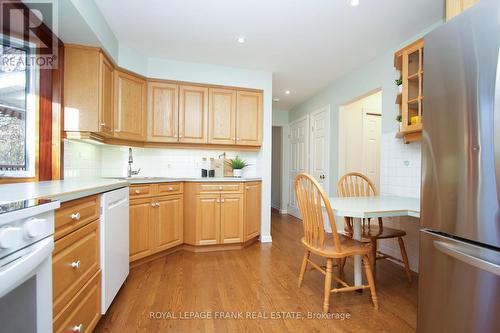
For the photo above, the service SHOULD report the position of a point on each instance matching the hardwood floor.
(261, 279)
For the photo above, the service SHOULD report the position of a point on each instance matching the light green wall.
(280, 117)
(377, 74)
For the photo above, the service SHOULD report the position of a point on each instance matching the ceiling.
(305, 43)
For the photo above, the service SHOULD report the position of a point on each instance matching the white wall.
(87, 12)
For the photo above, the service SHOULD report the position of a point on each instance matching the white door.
(320, 147)
(371, 146)
(299, 140)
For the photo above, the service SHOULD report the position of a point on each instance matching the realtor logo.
(30, 25)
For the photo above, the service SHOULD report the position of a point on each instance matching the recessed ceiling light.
(276, 100)
(241, 39)
(354, 3)
(287, 92)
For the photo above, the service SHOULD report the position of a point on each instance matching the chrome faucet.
(131, 172)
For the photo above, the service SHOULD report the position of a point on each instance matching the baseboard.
(266, 239)
(283, 211)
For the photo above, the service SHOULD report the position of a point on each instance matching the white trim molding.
(266, 239)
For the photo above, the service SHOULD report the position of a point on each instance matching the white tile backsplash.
(85, 160)
(81, 160)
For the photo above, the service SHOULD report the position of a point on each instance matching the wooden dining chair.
(355, 184)
(311, 199)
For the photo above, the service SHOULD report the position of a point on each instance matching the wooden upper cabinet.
(130, 106)
(163, 112)
(249, 118)
(193, 114)
(222, 116)
(455, 7)
(252, 209)
(106, 96)
(88, 90)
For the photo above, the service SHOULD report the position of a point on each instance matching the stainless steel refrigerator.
(459, 272)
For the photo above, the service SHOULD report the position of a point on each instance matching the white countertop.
(147, 180)
(62, 190)
(70, 189)
(377, 206)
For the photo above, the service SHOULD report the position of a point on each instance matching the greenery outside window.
(18, 105)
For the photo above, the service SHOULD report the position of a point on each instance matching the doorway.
(276, 181)
(360, 127)
(309, 151)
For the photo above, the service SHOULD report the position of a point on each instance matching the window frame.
(32, 113)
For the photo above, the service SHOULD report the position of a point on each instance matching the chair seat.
(349, 247)
(375, 232)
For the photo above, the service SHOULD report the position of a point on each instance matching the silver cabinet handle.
(248, 187)
(222, 200)
(117, 130)
(137, 191)
(103, 124)
(170, 188)
(237, 139)
(75, 264)
(469, 255)
(75, 216)
(234, 139)
(217, 200)
(220, 188)
(157, 204)
(153, 205)
(77, 328)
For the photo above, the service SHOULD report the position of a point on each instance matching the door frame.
(326, 109)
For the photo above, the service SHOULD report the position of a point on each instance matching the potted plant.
(237, 164)
(399, 119)
(399, 83)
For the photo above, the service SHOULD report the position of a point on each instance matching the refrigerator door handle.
(496, 128)
(460, 252)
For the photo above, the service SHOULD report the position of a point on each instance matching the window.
(17, 112)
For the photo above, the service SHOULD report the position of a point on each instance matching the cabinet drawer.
(84, 309)
(139, 191)
(220, 187)
(169, 188)
(74, 261)
(75, 214)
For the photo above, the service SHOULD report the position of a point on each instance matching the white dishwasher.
(114, 244)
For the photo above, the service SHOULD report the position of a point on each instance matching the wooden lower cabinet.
(252, 209)
(84, 311)
(207, 219)
(231, 218)
(140, 228)
(155, 223)
(168, 219)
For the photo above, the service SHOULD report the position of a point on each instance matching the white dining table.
(372, 207)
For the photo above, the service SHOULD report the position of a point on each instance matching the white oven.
(26, 244)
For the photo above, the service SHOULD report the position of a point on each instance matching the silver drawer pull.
(137, 191)
(77, 328)
(170, 188)
(75, 216)
(103, 124)
(222, 200)
(75, 264)
(220, 188)
(157, 204)
(153, 204)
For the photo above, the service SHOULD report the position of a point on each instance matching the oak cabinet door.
(231, 219)
(193, 114)
(249, 118)
(106, 97)
(207, 219)
(163, 112)
(169, 222)
(140, 229)
(130, 107)
(252, 210)
(222, 116)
